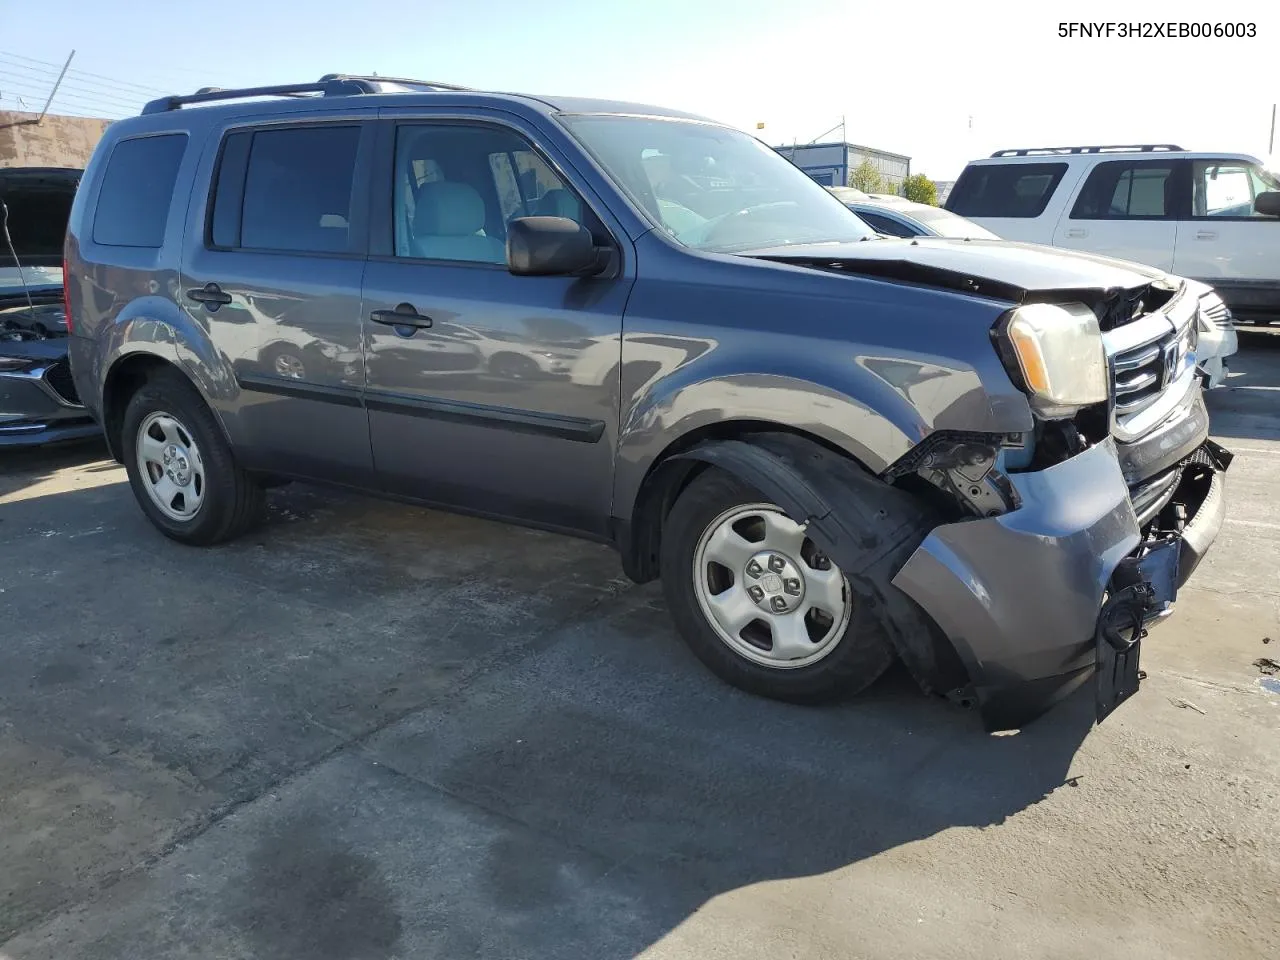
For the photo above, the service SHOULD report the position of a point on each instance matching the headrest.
(446, 208)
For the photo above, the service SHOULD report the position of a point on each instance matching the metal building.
(831, 163)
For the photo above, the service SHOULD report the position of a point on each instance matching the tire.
(855, 657)
(231, 500)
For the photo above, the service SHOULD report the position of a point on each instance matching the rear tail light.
(66, 294)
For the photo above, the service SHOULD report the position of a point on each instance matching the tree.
(866, 177)
(921, 189)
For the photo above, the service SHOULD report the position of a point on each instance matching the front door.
(476, 389)
(1127, 209)
(1227, 242)
(272, 271)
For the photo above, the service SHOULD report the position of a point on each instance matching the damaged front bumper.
(1038, 600)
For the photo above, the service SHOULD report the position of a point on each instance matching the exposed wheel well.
(123, 381)
(641, 541)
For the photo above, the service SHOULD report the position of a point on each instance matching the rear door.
(479, 401)
(272, 270)
(1128, 209)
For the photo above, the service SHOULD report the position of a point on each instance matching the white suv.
(1213, 217)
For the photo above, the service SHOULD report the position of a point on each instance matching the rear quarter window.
(1013, 190)
(886, 225)
(137, 188)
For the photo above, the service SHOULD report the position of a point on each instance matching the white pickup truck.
(1212, 217)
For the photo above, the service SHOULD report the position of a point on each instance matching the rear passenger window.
(1127, 190)
(137, 188)
(1015, 190)
(286, 190)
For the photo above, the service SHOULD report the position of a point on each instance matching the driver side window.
(457, 186)
(1225, 189)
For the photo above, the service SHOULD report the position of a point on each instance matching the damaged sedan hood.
(1020, 272)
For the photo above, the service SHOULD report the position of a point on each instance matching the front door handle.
(404, 315)
(1077, 232)
(211, 295)
(1206, 234)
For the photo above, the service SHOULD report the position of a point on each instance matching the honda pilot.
(989, 460)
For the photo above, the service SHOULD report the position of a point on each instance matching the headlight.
(1059, 358)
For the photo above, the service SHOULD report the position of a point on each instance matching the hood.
(38, 200)
(1005, 270)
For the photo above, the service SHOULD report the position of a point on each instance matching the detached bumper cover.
(1020, 595)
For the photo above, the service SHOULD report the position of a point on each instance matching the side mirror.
(1268, 204)
(550, 246)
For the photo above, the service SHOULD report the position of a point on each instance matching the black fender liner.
(866, 526)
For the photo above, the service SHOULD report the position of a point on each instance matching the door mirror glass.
(1267, 204)
(550, 246)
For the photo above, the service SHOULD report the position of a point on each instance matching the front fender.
(875, 410)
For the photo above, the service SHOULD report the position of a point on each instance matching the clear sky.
(907, 77)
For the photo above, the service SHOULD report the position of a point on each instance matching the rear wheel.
(181, 468)
(759, 603)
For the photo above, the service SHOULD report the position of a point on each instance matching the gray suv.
(624, 323)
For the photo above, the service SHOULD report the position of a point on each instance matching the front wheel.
(183, 474)
(759, 603)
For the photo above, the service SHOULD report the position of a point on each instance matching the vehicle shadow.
(1245, 407)
(683, 790)
(21, 468)
(583, 795)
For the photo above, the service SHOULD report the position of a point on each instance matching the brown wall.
(56, 142)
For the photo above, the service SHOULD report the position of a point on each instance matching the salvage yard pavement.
(370, 731)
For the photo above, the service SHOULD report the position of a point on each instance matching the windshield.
(13, 280)
(712, 188)
(947, 224)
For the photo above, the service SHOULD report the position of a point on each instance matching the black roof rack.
(398, 81)
(1119, 148)
(330, 85)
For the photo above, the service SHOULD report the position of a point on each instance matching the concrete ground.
(372, 732)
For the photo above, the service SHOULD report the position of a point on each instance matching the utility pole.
(57, 83)
(1271, 144)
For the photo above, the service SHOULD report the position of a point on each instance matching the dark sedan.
(38, 401)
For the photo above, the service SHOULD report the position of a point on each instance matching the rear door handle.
(404, 315)
(1206, 234)
(211, 295)
(1077, 232)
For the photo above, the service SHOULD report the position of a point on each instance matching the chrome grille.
(1139, 375)
(1152, 364)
